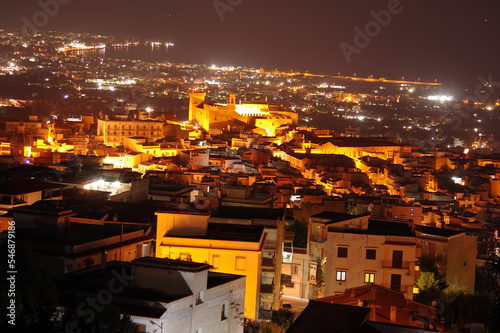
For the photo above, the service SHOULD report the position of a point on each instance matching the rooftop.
(22, 186)
(249, 213)
(334, 217)
(170, 264)
(420, 229)
(383, 228)
(322, 317)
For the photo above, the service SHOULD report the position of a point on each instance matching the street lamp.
(160, 326)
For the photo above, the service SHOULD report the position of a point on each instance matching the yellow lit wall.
(232, 257)
(218, 116)
(114, 131)
(461, 267)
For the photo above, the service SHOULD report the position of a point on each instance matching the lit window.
(341, 275)
(369, 277)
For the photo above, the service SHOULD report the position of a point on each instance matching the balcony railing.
(395, 265)
(266, 288)
(265, 314)
(402, 288)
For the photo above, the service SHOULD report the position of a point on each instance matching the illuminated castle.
(266, 118)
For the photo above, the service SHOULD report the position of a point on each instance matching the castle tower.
(231, 99)
(195, 99)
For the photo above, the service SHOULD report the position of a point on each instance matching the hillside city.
(165, 195)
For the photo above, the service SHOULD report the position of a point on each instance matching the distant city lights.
(440, 98)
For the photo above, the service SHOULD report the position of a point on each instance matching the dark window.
(342, 252)
(199, 298)
(397, 259)
(396, 282)
(223, 312)
(371, 254)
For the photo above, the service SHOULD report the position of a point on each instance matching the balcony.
(403, 265)
(266, 288)
(268, 263)
(401, 288)
(317, 238)
(265, 314)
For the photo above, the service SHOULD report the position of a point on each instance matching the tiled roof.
(407, 312)
(321, 317)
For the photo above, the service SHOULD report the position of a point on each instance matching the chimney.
(393, 314)
(373, 313)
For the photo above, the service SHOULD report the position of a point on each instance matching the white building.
(163, 295)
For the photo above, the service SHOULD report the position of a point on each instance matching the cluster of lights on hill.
(440, 98)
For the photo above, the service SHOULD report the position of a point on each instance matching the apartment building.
(115, 130)
(382, 253)
(232, 249)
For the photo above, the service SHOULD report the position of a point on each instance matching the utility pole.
(280, 234)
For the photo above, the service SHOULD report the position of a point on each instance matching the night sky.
(445, 39)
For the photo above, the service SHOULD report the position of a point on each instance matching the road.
(298, 304)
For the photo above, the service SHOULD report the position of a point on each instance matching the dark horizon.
(447, 41)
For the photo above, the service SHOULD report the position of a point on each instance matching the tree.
(468, 308)
(484, 282)
(283, 318)
(430, 283)
(39, 306)
(427, 281)
(493, 266)
(300, 230)
(107, 320)
(252, 326)
(426, 264)
(320, 274)
(481, 307)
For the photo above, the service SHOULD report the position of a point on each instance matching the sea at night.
(145, 52)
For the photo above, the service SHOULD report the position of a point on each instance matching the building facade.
(232, 249)
(383, 253)
(114, 131)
